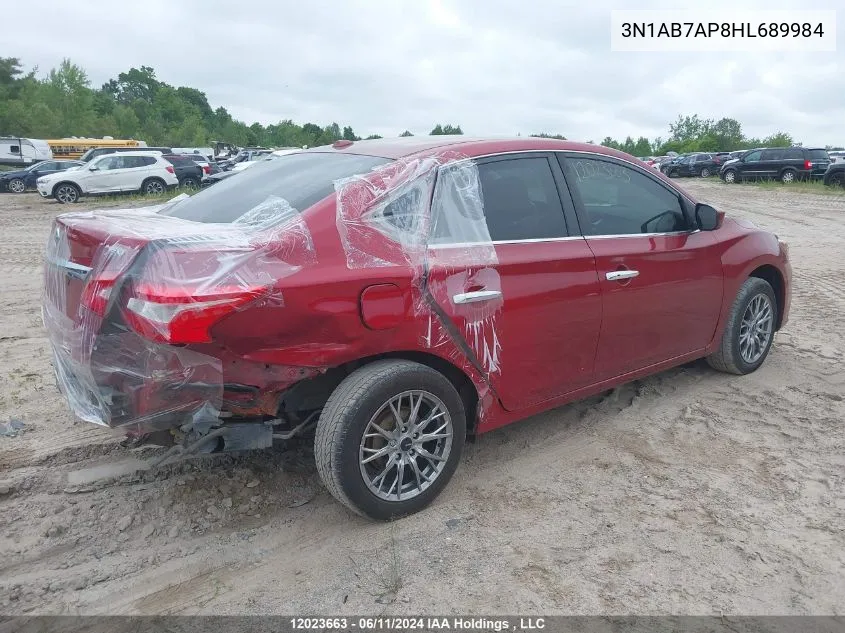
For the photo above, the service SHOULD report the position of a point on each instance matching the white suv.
(146, 172)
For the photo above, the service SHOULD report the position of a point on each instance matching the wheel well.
(64, 182)
(773, 277)
(314, 392)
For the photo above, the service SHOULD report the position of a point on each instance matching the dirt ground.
(691, 492)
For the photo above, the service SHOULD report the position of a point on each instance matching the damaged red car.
(393, 297)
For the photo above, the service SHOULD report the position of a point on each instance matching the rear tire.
(67, 193)
(353, 447)
(705, 172)
(16, 185)
(745, 332)
(190, 183)
(153, 186)
(788, 176)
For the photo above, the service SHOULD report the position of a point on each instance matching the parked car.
(399, 297)
(836, 156)
(835, 175)
(96, 152)
(20, 180)
(693, 165)
(187, 171)
(786, 164)
(146, 172)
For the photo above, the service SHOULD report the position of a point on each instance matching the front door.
(661, 280)
(516, 282)
(751, 165)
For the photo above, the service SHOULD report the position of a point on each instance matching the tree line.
(138, 105)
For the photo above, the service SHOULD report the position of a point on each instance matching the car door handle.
(474, 297)
(618, 275)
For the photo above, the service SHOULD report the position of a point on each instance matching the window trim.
(686, 204)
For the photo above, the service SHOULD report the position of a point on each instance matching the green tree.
(406, 133)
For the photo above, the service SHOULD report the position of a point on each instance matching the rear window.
(179, 160)
(818, 154)
(301, 179)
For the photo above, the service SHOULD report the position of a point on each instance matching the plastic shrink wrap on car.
(124, 297)
(431, 210)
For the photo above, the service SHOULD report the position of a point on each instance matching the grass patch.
(133, 198)
(804, 186)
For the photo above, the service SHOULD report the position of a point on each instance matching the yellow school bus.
(75, 147)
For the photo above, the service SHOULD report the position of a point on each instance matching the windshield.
(300, 179)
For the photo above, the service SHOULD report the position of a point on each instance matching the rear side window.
(301, 179)
(521, 201)
(793, 153)
(818, 154)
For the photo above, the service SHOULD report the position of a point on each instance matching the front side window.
(109, 162)
(753, 157)
(619, 200)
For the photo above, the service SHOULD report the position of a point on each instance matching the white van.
(23, 151)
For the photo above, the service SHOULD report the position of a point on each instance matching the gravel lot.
(691, 492)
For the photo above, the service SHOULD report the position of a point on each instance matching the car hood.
(732, 161)
(8, 175)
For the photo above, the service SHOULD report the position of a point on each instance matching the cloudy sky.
(492, 66)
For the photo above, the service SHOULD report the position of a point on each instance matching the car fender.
(745, 249)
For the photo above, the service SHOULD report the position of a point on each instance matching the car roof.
(395, 148)
(137, 153)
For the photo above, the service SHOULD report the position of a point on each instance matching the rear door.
(661, 280)
(522, 299)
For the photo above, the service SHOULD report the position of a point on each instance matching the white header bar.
(723, 30)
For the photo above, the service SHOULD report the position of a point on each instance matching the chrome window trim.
(644, 169)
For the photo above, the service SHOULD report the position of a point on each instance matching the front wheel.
(390, 438)
(730, 176)
(749, 331)
(190, 183)
(837, 180)
(67, 193)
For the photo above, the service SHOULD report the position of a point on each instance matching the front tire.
(749, 331)
(153, 186)
(16, 185)
(730, 176)
(390, 438)
(837, 180)
(190, 183)
(67, 193)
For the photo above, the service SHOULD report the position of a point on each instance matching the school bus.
(75, 147)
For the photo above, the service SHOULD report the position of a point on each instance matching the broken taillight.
(178, 317)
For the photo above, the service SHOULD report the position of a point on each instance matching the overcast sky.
(493, 66)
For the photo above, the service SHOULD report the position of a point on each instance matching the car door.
(520, 296)
(750, 166)
(771, 163)
(132, 172)
(103, 174)
(661, 279)
(41, 169)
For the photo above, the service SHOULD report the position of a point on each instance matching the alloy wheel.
(755, 330)
(154, 187)
(66, 193)
(17, 186)
(405, 445)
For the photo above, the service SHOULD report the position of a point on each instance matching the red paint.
(560, 331)
(384, 306)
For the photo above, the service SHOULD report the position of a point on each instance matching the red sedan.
(394, 296)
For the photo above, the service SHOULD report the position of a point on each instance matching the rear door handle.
(474, 297)
(619, 275)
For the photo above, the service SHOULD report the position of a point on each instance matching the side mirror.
(706, 217)
(93, 168)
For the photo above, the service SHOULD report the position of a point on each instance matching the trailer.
(18, 151)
